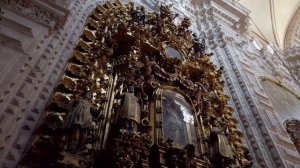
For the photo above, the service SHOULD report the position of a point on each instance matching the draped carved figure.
(130, 111)
(79, 121)
(222, 153)
(293, 128)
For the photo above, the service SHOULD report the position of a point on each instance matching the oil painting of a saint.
(178, 120)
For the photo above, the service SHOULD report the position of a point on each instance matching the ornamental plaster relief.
(292, 45)
(293, 60)
(37, 11)
(24, 101)
(249, 124)
(23, 8)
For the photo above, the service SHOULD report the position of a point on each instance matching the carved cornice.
(279, 83)
(228, 11)
(229, 5)
(43, 12)
(65, 4)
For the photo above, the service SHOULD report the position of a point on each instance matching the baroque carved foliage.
(108, 106)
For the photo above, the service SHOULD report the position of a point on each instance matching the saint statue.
(80, 122)
(199, 97)
(130, 111)
(221, 150)
(140, 14)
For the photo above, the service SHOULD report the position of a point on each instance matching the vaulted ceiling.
(271, 18)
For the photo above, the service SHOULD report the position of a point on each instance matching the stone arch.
(292, 35)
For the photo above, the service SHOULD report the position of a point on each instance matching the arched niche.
(178, 119)
(286, 104)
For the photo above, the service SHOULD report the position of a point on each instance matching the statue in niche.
(221, 152)
(130, 111)
(140, 14)
(80, 121)
(198, 46)
(199, 97)
(138, 84)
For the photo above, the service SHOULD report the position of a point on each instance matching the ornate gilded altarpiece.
(139, 91)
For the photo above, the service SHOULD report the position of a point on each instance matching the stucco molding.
(27, 98)
(47, 14)
(292, 30)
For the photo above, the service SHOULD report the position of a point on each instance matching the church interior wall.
(33, 55)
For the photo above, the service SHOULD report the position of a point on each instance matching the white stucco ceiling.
(272, 17)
